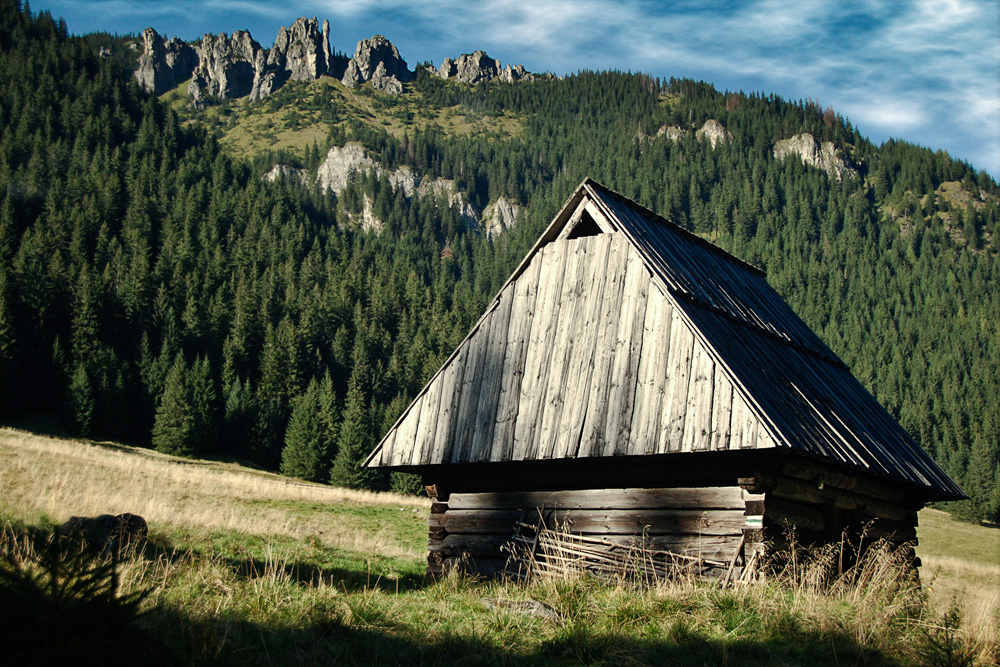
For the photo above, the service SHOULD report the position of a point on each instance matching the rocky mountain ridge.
(223, 67)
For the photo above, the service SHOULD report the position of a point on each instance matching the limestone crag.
(714, 131)
(163, 63)
(342, 161)
(367, 219)
(478, 67)
(672, 132)
(228, 67)
(287, 174)
(385, 82)
(446, 189)
(470, 68)
(365, 66)
(301, 52)
(335, 171)
(499, 216)
(823, 156)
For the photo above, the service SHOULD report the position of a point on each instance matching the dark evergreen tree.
(174, 431)
(310, 439)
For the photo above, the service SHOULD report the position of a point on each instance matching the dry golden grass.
(961, 569)
(42, 477)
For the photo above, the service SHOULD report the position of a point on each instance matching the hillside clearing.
(248, 567)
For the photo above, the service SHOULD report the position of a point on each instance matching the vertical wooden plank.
(536, 365)
(592, 435)
(628, 349)
(385, 453)
(558, 386)
(750, 431)
(652, 378)
(698, 421)
(427, 425)
(738, 421)
(406, 435)
(681, 351)
(451, 396)
(722, 408)
(485, 418)
(471, 384)
(525, 291)
(583, 348)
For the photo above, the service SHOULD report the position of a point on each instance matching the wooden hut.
(633, 382)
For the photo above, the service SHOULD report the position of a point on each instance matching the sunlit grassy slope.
(247, 567)
(301, 114)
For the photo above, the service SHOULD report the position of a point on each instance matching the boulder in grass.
(106, 534)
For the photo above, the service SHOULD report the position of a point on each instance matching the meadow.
(247, 567)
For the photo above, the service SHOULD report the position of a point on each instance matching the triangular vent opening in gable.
(585, 226)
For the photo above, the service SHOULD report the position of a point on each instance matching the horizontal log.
(791, 488)
(652, 522)
(715, 497)
(821, 474)
(439, 508)
(781, 512)
(611, 522)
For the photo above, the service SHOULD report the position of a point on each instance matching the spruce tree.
(174, 428)
(81, 401)
(354, 443)
(309, 439)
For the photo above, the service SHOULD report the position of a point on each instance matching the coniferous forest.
(155, 289)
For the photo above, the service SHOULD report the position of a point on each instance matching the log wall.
(473, 531)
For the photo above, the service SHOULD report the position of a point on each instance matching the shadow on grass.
(333, 641)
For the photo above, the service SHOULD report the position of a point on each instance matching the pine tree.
(174, 428)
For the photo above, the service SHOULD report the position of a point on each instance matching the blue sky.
(925, 71)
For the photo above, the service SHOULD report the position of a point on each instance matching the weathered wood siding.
(582, 355)
(473, 529)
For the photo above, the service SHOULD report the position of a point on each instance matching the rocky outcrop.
(229, 67)
(367, 219)
(301, 52)
(342, 161)
(714, 131)
(163, 63)
(287, 174)
(387, 83)
(672, 132)
(455, 198)
(377, 60)
(470, 68)
(478, 67)
(499, 216)
(823, 156)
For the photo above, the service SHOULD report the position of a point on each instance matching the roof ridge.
(687, 234)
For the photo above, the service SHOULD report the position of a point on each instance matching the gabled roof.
(621, 333)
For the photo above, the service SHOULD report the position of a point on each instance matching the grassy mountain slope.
(154, 289)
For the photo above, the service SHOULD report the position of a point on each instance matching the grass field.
(246, 567)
